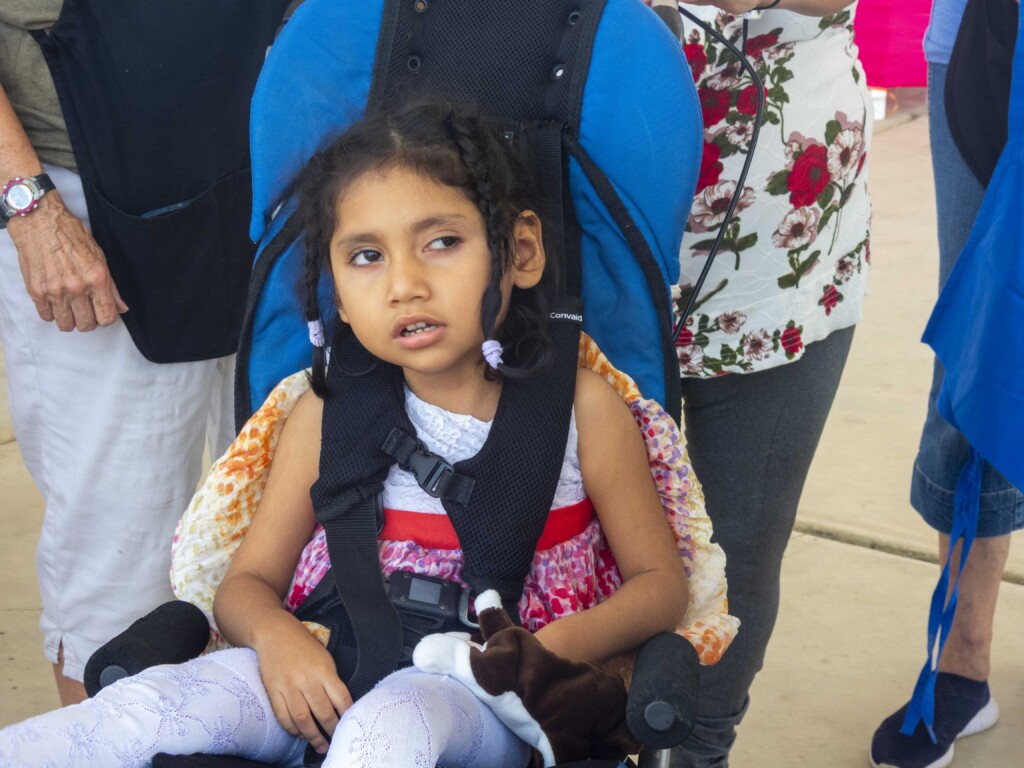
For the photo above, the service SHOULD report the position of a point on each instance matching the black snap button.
(659, 716)
(574, 18)
(413, 64)
(420, 6)
(557, 71)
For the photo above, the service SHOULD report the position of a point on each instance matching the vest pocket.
(183, 270)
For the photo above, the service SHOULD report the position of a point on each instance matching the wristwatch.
(20, 197)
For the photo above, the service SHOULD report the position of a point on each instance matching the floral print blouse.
(793, 263)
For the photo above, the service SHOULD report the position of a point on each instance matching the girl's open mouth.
(417, 328)
(419, 333)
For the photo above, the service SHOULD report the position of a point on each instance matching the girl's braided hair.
(454, 146)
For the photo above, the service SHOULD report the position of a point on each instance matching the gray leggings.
(751, 439)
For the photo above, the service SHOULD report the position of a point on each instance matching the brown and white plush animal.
(566, 710)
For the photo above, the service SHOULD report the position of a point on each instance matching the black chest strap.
(498, 501)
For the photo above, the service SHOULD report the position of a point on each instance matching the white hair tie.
(492, 353)
(316, 332)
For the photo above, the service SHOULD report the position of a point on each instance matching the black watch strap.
(45, 182)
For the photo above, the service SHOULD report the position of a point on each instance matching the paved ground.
(859, 484)
(851, 633)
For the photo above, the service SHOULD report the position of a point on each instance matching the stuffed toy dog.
(566, 710)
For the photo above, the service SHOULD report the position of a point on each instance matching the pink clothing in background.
(889, 34)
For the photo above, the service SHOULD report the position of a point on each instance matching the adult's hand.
(65, 271)
(806, 7)
(735, 7)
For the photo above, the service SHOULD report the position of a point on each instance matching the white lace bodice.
(456, 437)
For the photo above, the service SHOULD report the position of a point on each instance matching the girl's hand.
(302, 682)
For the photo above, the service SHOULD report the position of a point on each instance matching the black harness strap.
(517, 471)
(350, 525)
(244, 406)
(359, 413)
(541, 148)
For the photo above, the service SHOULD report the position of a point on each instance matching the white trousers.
(114, 443)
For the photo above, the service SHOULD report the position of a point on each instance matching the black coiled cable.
(734, 201)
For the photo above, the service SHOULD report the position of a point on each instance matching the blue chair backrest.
(637, 122)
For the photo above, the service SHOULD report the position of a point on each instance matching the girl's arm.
(806, 7)
(298, 672)
(654, 592)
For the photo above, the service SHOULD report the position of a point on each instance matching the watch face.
(20, 197)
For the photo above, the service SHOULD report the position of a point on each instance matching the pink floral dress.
(568, 577)
(793, 264)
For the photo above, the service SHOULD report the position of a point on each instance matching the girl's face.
(410, 262)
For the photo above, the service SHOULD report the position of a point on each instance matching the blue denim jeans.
(943, 450)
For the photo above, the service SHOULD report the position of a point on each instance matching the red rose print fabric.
(794, 260)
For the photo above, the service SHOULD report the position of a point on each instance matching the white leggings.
(217, 704)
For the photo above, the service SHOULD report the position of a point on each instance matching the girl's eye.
(443, 243)
(366, 256)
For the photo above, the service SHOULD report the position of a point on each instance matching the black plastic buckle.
(427, 596)
(378, 512)
(432, 472)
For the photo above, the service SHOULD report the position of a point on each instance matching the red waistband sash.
(435, 531)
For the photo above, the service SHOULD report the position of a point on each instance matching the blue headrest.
(640, 122)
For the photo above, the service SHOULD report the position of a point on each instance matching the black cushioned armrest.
(171, 634)
(662, 705)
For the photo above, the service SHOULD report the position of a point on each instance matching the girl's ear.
(530, 257)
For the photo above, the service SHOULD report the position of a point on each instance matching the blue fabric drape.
(975, 330)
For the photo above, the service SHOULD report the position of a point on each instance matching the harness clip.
(437, 477)
(432, 472)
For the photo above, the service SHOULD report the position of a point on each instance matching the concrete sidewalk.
(859, 484)
(851, 634)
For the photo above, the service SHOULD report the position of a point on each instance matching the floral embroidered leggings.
(217, 704)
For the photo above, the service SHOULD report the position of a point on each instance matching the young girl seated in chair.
(438, 267)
